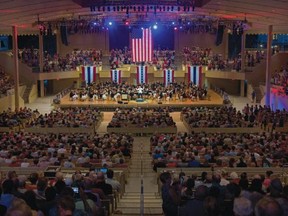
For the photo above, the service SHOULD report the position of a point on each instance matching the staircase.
(259, 94)
(178, 61)
(26, 93)
(105, 63)
(130, 203)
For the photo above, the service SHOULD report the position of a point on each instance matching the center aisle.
(179, 124)
(130, 203)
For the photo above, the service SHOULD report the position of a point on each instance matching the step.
(136, 211)
(153, 200)
(137, 204)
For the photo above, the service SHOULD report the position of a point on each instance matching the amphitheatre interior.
(144, 88)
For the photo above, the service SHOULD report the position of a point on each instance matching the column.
(41, 52)
(42, 91)
(16, 66)
(243, 42)
(268, 65)
(58, 41)
(242, 88)
(226, 44)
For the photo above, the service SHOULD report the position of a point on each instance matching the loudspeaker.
(219, 36)
(120, 102)
(63, 32)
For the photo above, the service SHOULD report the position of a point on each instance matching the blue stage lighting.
(155, 26)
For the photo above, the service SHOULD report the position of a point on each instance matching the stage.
(213, 100)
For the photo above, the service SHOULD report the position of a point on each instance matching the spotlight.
(155, 26)
(173, 23)
(175, 28)
(110, 23)
(126, 23)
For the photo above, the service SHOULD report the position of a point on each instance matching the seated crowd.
(219, 150)
(84, 194)
(197, 56)
(161, 59)
(218, 195)
(6, 83)
(154, 91)
(164, 59)
(61, 63)
(70, 117)
(281, 79)
(139, 117)
(25, 149)
(11, 118)
(118, 57)
(227, 117)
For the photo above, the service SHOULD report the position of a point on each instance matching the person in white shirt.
(114, 183)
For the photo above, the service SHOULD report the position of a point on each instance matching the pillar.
(242, 88)
(58, 41)
(268, 65)
(42, 91)
(226, 44)
(16, 66)
(41, 52)
(243, 42)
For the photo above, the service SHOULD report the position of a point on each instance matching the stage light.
(175, 28)
(173, 23)
(155, 26)
(110, 23)
(126, 23)
(94, 23)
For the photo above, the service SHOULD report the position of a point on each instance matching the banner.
(89, 74)
(142, 76)
(168, 76)
(142, 50)
(195, 75)
(116, 76)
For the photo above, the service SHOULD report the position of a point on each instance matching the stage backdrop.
(118, 37)
(163, 37)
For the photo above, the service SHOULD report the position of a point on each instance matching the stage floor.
(215, 100)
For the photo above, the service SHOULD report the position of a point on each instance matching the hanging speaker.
(219, 35)
(63, 32)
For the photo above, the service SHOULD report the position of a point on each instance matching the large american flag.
(142, 50)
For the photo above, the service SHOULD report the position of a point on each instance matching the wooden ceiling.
(259, 13)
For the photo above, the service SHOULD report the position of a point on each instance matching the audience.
(138, 117)
(61, 63)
